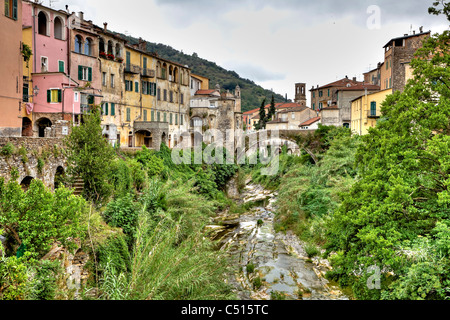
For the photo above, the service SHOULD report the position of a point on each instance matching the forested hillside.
(252, 94)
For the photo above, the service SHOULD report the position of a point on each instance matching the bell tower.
(300, 93)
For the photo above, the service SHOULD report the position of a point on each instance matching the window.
(171, 96)
(165, 117)
(293, 115)
(76, 97)
(61, 66)
(158, 116)
(314, 94)
(145, 64)
(373, 108)
(44, 64)
(54, 96)
(182, 119)
(42, 23)
(390, 83)
(128, 85)
(152, 115)
(118, 50)
(113, 109)
(105, 109)
(147, 87)
(328, 92)
(25, 90)
(165, 95)
(171, 119)
(87, 47)
(104, 79)
(159, 94)
(11, 9)
(128, 60)
(182, 98)
(320, 94)
(58, 28)
(145, 115)
(136, 87)
(176, 119)
(128, 115)
(84, 73)
(101, 46)
(113, 82)
(314, 106)
(78, 44)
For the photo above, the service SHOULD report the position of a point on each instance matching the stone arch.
(118, 50)
(164, 138)
(110, 47)
(43, 21)
(175, 75)
(164, 71)
(27, 127)
(101, 46)
(26, 182)
(42, 124)
(59, 177)
(88, 46)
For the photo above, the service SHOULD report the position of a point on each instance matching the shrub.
(7, 150)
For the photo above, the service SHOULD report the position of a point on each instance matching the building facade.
(11, 68)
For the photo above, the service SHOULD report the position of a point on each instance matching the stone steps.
(78, 186)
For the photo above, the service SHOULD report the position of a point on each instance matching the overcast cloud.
(275, 43)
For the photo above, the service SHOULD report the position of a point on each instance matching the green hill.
(252, 94)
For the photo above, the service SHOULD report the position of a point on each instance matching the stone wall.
(36, 158)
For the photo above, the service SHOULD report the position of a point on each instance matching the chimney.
(354, 79)
(414, 31)
(405, 34)
(105, 26)
(142, 44)
(421, 29)
(81, 15)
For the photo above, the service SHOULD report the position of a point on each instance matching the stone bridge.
(24, 159)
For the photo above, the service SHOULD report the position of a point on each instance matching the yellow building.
(366, 110)
(27, 112)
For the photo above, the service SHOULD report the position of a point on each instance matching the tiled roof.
(205, 92)
(406, 37)
(340, 83)
(309, 122)
(360, 87)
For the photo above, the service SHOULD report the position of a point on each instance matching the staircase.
(78, 185)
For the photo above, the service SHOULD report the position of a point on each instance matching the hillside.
(252, 94)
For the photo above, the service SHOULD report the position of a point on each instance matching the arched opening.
(26, 182)
(110, 47)
(158, 69)
(144, 138)
(78, 44)
(27, 127)
(58, 26)
(59, 177)
(196, 122)
(171, 73)
(42, 23)
(175, 75)
(164, 71)
(101, 47)
(118, 51)
(43, 124)
(164, 138)
(88, 47)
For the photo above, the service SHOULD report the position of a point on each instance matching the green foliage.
(151, 162)
(122, 213)
(7, 150)
(39, 217)
(250, 268)
(311, 250)
(401, 192)
(40, 165)
(90, 157)
(44, 285)
(13, 279)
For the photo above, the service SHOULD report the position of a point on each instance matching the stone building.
(215, 110)
(325, 96)
(291, 118)
(398, 53)
(300, 94)
(11, 68)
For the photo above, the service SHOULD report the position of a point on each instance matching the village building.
(11, 68)
(290, 118)
(311, 124)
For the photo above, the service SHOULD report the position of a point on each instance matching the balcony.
(373, 114)
(147, 73)
(132, 68)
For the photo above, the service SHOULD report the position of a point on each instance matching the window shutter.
(128, 114)
(106, 109)
(61, 66)
(15, 9)
(136, 87)
(113, 109)
(131, 85)
(80, 72)
(89, 74)
(152, 115)
(59, 95)
(49, 96)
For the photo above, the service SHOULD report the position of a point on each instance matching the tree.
(401, 197)
(90, 158)
(272, 110)
(437, 11)
(262, 116)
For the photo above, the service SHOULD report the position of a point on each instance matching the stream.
(268, 265)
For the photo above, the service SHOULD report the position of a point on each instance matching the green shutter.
(61, 66)
(136, 87)
(181, 119)
(152, 115)
(49, 96)
(89, 74)
(154, 89)
(14, 9)
(113, 109)
(145, 115)
(128, 114)
(80, 72)
(131, 85)
(59, 95)
(165, 117)
(106, 109)
(171, 118)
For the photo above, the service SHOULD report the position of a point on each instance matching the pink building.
(56, 97)
(11, 68)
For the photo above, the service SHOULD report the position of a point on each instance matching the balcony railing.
(373, 114)
(132, 68)
(148, 73)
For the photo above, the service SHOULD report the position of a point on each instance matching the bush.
(7, 150)
(122, 213)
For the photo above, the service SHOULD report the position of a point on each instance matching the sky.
(275, 43)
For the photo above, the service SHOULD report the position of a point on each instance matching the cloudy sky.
(275, 43)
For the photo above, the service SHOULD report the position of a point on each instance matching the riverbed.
(269, 265)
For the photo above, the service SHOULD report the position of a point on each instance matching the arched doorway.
(164, 138)
(26, 182)
(43, 124)
(59, 177)
(27, 127)
(144, 138)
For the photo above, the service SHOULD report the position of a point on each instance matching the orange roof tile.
(309, 122)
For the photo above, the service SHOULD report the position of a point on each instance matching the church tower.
(300, 93)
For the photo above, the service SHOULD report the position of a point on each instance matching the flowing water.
(269, 265)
